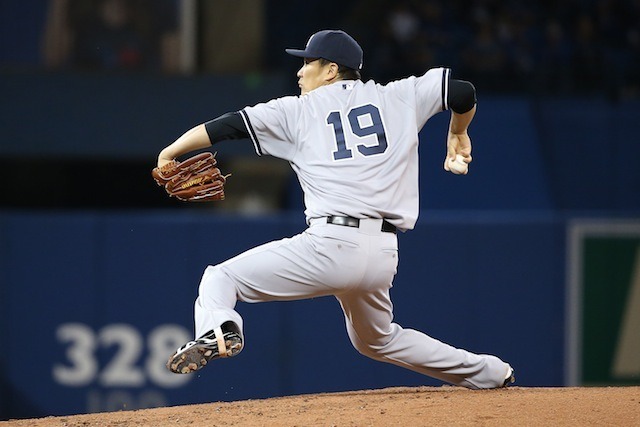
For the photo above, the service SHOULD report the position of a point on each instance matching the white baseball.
(458, 166)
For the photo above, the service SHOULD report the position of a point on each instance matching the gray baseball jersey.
(353, 129)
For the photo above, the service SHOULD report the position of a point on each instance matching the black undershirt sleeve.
(461, 97)
(226, 127)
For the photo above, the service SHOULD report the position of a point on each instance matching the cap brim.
(297, 52)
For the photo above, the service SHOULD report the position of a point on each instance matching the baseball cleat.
(510, 378)
(196, 354)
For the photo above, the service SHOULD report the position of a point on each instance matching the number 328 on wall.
(82, 367)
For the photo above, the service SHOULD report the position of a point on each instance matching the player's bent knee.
(216, 282)
(372, 348)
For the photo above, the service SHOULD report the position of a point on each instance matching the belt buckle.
(346, 221)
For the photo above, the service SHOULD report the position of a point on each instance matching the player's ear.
(332, 71)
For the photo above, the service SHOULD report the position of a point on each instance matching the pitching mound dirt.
(422, 406)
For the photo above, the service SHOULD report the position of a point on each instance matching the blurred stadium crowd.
(95, 35)
(569, 46)
(575, 47)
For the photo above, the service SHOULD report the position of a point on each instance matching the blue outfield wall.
(92, 304)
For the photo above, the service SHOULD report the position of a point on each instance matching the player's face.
(312, 75)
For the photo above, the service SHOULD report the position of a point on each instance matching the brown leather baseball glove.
(196, 179)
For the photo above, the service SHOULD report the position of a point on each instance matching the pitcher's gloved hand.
(196, 179)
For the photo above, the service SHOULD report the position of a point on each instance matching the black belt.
(348, 221)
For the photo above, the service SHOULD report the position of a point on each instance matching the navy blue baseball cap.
(333, 45)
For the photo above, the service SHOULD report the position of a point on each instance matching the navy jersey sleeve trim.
(252, 133)
(445, 88)
(226, 127)
(462, 96)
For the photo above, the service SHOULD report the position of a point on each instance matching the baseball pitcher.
(354, 148)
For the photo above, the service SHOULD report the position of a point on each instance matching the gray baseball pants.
(357, 266)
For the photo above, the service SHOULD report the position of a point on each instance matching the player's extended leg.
(287, 269)
(372, 332)
(218, 325)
